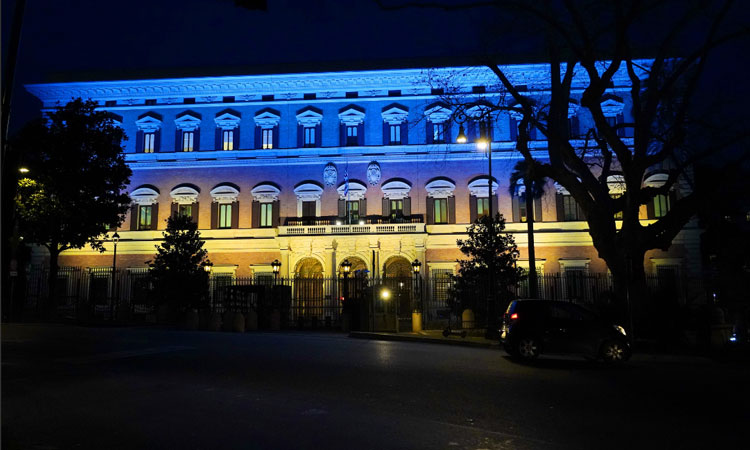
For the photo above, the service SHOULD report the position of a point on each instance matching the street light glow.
(23, 170)
(385, 294)
(461, 138)
(482, 144)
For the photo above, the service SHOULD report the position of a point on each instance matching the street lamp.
(461, 138)
(115, 240)
(276, 266)
(23, 170)
(416, 266)
(346, 266)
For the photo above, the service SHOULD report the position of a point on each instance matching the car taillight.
(514, 316)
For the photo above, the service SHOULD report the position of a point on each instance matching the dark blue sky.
(94, 40)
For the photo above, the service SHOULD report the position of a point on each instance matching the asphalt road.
(122, 388)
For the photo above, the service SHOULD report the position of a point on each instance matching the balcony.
(302, 226)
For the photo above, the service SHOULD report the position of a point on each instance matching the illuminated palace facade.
(312, 169)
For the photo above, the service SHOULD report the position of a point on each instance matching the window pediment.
(309, 118)
(148, 124)
(351, 116)
(227, 121)
(184, 195)
(395, 189)
(145, 196)
(440, 188)
(187, 122)
(478, 187)
(224, 194)
(438, 114)
(479, 112)
(611, 107)
(395, 114)
(267, 118)
(357, 191)
(308, 192)
(265, 193)
(656, 180)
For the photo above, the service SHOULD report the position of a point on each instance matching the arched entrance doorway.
(397, 276)
(358, 268)
(308, 293)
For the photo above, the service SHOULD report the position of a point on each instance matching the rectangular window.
(661, 205)
(188, 100)
(144, 217)
(438, 133)
(267, 138)
(228, 99)
(110, 103)
(351, 135)
(570, 208)
(309, 136)
(441, 210)
(618, 214)
(267, 98)
(225, 215)
(149, 139)
(311, 96)
(394, 93)
(227, 139)
(266, 215)
(151, 102)
(352, 211)
(395, 134)
(397, 209)
(309, 209)
(483, 207)
(187, 141)
(185, 210)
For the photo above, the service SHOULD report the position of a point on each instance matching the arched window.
(144, 213)
(185, 201)
(480, 198)
(308, 199)
(567, 207)
(616, 185)
(352, 201)
(518, 201)
(396, 200)
(441, 202)
(265, 209)
(225, 207)
(660, 205)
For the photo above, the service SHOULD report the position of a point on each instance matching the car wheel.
(614, 352)
(528, 348)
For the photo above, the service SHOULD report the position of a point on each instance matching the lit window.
(395, 134)
(144, 217)
(661, 205)
(266, 215)
(225, 215)
(352, 211)
(187, 141)
(522, 209)
(441, 210)
(228, 139)
(397, 209)
(483, 207)
(267, 138)
(438, 133)
(351, 135)
(309, 137)
(618, 214)
(149, 139)
(185, 210)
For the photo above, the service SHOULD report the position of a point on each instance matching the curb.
(422, 339)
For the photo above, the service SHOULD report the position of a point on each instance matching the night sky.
(94, 40)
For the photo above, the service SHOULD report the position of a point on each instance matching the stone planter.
(191, 319)
(416, 321)
(251, 320)
(468, 321)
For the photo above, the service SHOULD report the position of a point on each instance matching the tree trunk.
(530, 231)
(51, 306)
(629, 286)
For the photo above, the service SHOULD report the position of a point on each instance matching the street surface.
(123, 388)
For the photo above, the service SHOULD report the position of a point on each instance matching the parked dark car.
(533, 327)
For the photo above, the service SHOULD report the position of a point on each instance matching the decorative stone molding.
(187, 122)
(309, 118)
(656, 180)
(440, 188)
(478, 187)
(227, 121)
(184, 195)
(265, 193)
(373, 173)
(395, 189)
(267, 119)
(479, 112)
(330, 174)
(352, 117)
(148, 124)
(144, 196)
(395, 115)
(357, 191)
(308, 192)
(560, 189)
(438, 114)
(224, 193)
(574, 264)
(612, 107)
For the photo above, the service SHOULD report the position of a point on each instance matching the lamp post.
(115, 240)
(416, 266)
(276, 266)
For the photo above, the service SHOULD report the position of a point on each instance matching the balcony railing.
(368, 220)
(337, 227)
